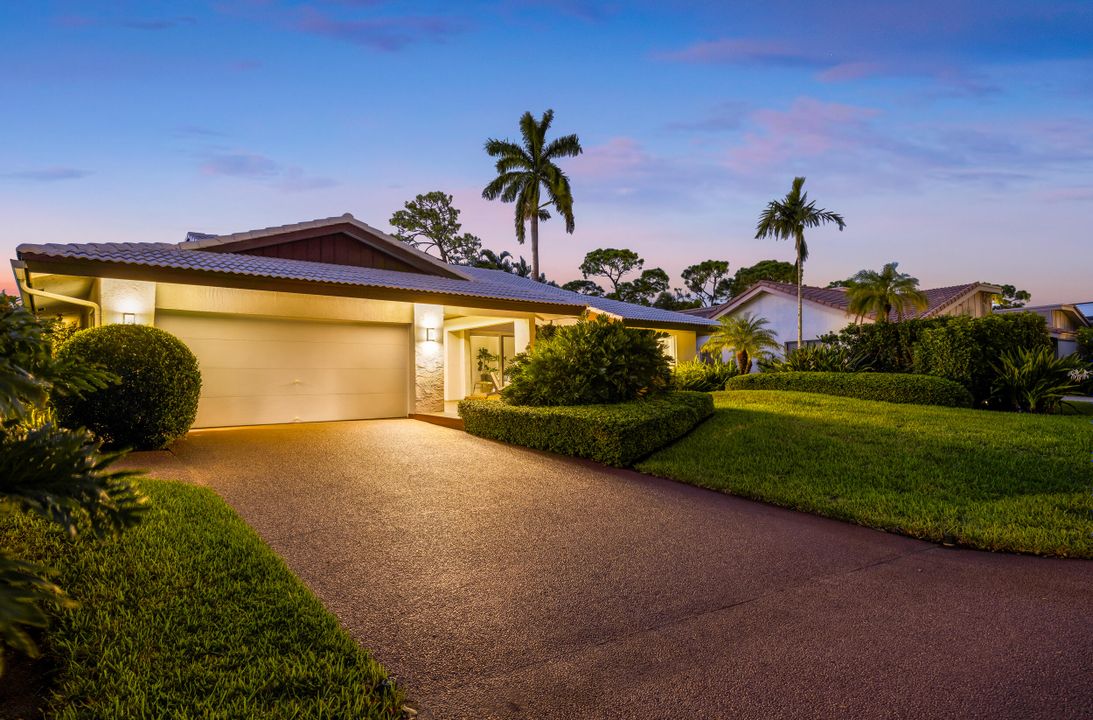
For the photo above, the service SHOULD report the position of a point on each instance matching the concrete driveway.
(497, 582)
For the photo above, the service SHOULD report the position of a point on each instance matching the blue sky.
(955, 137)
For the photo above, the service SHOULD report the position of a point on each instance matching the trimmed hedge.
(156, 400)
(966, 350)
(618, 434)
(889, 387)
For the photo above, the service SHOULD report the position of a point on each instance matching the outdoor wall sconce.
(128, 318)
(430, 334)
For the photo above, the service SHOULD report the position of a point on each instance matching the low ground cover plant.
(817, 358)
(155, 401)
(616, 434)
(1036, 381)
(190, 614)
(887, 387)
(702, 375)
(994, 481)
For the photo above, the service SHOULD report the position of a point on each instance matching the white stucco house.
(826, 310)
(329, 319)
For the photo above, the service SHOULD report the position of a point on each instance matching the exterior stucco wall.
(781, 313)
(121, 297)
(199, 298)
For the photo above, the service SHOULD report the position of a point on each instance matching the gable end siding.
(334, 248)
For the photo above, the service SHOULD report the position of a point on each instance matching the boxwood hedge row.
(618, 434)
(889, 387)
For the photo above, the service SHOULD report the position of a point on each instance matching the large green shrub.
(966, 349)
(592, 362)
(703, 376)
(59, 475)
(617, 434)
(884, 347)
(1085, 343)
(889, 387)
(156, 400)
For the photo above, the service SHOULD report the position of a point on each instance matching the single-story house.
(826, 310)
(1063, 323)
(323, 320)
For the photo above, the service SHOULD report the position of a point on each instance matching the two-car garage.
(258, 370)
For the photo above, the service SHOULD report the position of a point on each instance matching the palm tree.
(787, 219)
(525, 172)
(882, 292)
(745, 335)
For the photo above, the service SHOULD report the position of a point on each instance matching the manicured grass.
(191, 615)
(995, 481)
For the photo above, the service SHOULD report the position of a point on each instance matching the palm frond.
(565, 146)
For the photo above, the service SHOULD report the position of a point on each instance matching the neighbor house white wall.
(781, 314)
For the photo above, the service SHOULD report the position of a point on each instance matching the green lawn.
(191, 615)
(995, 481)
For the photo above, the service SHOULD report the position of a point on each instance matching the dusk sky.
(955, 137)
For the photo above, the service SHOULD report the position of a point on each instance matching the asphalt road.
(497, 582)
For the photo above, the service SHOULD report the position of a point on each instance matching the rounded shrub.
(595, 361)
(156, 399)
(888, 387)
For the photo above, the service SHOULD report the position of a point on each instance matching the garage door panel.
(255, 410)
(260, 370)
(223, 327)
(252, 354)
(230, 382)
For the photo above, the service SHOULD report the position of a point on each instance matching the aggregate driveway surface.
(497, 582)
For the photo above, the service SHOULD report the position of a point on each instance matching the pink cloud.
(849, 71)
(617, 157)
(809, 128)
(741, 50)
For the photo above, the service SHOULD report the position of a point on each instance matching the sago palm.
(528, 176)
(787, 219)
(745, 335)
(881, 293)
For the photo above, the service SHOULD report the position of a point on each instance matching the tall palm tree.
(526, 172)
(786, 219)
(746, 335)
(882, 292)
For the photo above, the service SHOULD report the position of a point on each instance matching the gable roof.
(1045, 311)
(227, 268)
(345, 224)
(937, 299)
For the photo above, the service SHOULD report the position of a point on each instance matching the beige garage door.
(256, 371)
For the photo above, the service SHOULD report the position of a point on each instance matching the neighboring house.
(1063, 323)
(323, 320)
(826, 310)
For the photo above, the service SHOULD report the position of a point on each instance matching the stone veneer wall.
(428, 359)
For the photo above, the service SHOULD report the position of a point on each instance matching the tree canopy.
(708, 281)
(776, 270)
(431, 222)
(1011, 297)
(611, 263)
